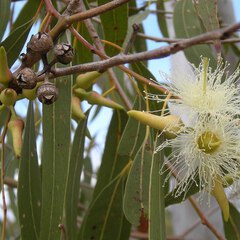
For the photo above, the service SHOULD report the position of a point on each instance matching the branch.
(95, 11)
(147, 55)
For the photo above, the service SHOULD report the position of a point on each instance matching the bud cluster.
(25, 82)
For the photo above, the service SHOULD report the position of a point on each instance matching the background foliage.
(54, 191)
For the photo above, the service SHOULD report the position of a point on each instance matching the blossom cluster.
(207, 149)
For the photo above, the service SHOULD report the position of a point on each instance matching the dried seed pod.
(40, 43)
(47, 93)
(63, 53)
(27, 78)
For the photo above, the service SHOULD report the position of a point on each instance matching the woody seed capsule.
(63, 53)
(47, 93)
(40, 43)
(27, 78)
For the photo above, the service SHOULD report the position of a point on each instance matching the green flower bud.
(16, 126)
(77, 112)
(5, 73)
(8, 96)
(169, 124)
(87, 79)
(95, 98)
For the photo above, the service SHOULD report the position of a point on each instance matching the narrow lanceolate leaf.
(136, 191)
(29, 183)
(106, 217)
(20, 30)
(75, 169)
(105, 220)
(156, 216)
(15, 41)
(55, 159)
(162, 23)
(232, 227)
(187, 24)
(115, 25)
(4, 15)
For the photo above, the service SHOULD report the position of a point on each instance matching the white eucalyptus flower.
(202, 91)
(209, 151)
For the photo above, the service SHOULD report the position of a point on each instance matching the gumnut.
(220, 196)
(27, 78)
(40, 43)
(170, 124)
(95, 98)
(77, 112)
(47, 93)
(5, 73)
(87, 79)
(16, 126)
(8, 96)
(63, 53)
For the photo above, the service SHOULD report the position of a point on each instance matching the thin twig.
(174, 40)
(204, 219)
(2, 175)
(98, 44)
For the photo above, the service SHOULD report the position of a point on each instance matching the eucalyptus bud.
(40, 43)
(27, 78)
(8, 96)
(16, 126)
(5, 73)
(85, 80)
(95, 98)
(63, 53)
(77, 112)
(170, 124)
(47, 93)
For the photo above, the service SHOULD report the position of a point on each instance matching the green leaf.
(15, 41)
(29, 183)
(4, 16)
(187, 25)
(171, 197)
(207, 12)
(162, 23)
(55, 159)
(116, 128)
(20, 30)
(73, 184)
(136, 197)
(115, 25)
(109, 216)
(135, 19)
(104, 217)
(232, 227)
(156, 220)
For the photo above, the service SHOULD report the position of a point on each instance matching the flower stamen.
(208, 142)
